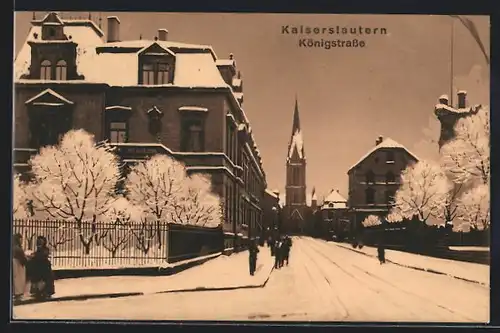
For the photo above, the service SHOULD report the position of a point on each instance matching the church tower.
(295, 200)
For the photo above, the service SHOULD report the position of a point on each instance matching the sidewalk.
(461, 270)
(221, 273)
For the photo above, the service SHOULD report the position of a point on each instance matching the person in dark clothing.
(252, 259)
(278, 253)
(287, 244)
(381, 253)
(40, 271)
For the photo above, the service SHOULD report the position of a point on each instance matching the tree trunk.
(86, 244)
(158, 234)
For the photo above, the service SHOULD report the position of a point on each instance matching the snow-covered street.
(324, 282)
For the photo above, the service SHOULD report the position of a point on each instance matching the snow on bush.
(199, 205)
(75, 181)
(467, 157)
(371, 221)
(474, 207)
(394, 216)
(423, 191)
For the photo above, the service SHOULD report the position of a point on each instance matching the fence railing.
(118, 244)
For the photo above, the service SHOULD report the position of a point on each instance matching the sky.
(347, 97)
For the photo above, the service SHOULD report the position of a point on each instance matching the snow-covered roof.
(191, 70)
(118, 107)
(297, 143)
(334, 196)
(225, 62)
(387, 143)
(236, 82)
(271, 193)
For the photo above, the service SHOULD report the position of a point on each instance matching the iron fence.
(117, 244)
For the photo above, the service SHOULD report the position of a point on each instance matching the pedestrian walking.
(278, 254)
(252, 258)
(40, 271)
(287, 244)
(19, 262)
(381, 253)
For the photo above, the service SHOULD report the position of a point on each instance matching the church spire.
(296, 142)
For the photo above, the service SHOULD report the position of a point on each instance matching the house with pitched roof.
(375, 178)
(145, 97)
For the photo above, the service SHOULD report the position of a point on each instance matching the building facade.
(334, 217)
(295, 210)
(375, 178)
(270, 210)
(146, 97)
(448, 115)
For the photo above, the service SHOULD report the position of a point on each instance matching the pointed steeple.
(296, 119)
(296, 143)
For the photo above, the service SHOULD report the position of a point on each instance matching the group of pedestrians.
(34, 268)
(280, 250)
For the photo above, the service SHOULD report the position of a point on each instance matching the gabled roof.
(155, 49)
(334, 196)
(387, 143)
(48, 97)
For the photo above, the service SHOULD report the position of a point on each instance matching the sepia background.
(347, 96)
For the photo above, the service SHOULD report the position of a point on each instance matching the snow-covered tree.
(394, 216)
(121, 219)
(199, 206)
(423, 192)
(467, 156)
(371, 221)
(19, 198)
(157, 185)
(75, 181)
(474, 207)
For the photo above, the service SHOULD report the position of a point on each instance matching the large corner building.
(146, 97)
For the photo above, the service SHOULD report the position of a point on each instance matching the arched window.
(370, 177)
(45, 70)
(61, 70)
(370, 196)
(389, 177)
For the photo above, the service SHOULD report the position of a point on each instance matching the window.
(45, 70)
(61, 70)
(47, 131)
(118, 132)
(389, 177)
(193, 135)
(163, 70)
(390, 156)
(389, 197)
(370, 196)
(52, 32)
(148, 74)
(295, 176)
(370, 177)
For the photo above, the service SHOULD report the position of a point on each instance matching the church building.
(296, 211)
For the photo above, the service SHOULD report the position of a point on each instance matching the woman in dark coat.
(19, 262)
(40, 271)
(381, 253)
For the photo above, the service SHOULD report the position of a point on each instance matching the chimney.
(113, 29)
(162, 34)
(462, 96)
(444, 99)
(379, 140)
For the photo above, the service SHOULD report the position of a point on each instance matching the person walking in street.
(252, 259)
(40, 271)
(381, 253)
(19, 262)
(278, 253)
(287, 244)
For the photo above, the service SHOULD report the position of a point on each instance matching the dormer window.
(163, 73)
(148, 74)
(45, 70)
(61, 70)
(155, 74)
(156, 65)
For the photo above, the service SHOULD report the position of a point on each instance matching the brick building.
(146, 97)
(449, 115)
(375, 178)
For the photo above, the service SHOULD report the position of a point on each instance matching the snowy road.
(324, 282)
